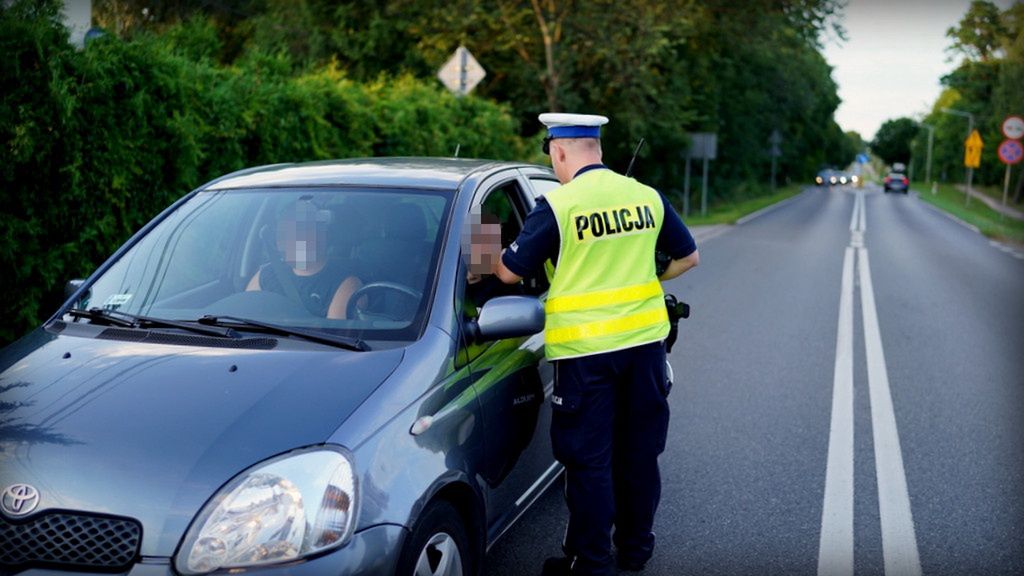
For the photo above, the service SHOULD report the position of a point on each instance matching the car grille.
(71, 540)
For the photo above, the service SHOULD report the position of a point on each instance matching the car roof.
(422, 172)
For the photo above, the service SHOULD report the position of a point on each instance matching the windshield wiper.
(126, 320)
(345, 342)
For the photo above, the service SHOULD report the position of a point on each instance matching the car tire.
(439, 545)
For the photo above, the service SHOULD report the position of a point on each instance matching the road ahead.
(850, 400)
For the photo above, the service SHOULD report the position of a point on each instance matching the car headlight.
(818, 180)
(288, 507)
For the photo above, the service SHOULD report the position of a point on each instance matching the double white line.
(899, 544)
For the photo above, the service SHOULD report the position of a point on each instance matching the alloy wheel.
(439, 557)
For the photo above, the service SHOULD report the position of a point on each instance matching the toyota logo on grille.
(19, 499)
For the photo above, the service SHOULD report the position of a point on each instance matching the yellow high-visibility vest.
(604, 293)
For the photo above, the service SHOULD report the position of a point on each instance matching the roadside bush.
(96, 142)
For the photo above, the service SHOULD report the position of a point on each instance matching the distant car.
(827, 177)
(831, 177)
(170, 420)
(896, 182)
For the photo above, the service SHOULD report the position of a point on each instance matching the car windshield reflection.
(345, 261)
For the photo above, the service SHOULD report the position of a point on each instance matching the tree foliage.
(181, 91)
(988, 83)
(97, 142)
(980, 32)
(892, 141)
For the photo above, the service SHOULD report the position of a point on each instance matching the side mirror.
(507, 317)
(71, 287)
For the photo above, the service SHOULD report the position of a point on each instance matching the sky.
(893, 59)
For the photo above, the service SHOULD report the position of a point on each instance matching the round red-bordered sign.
(1011, 151)
(1013, 127)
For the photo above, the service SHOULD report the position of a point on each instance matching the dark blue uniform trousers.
(609, 425)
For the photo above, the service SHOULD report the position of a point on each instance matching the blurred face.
(484, 246)
(302, 236)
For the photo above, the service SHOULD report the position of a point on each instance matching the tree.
(856, 141)
(981, 32)
(892, 141)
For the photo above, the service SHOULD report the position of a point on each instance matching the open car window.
(502, 205)
(356, 262)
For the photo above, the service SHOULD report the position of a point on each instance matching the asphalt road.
(872, 424)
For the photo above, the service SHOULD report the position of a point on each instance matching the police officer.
(604, 330)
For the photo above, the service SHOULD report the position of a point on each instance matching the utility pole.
(928, 162)
(775, 139)
(970, 130)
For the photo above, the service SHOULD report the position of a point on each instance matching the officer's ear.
(558, 151)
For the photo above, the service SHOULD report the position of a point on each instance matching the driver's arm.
(254, 283)
(339, 302)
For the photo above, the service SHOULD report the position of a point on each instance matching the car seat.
(400, 254)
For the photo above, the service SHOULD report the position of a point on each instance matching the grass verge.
(729, 213)
(991, 223)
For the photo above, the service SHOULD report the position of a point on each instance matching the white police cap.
(561, 125)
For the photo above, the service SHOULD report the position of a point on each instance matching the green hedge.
(96, 142)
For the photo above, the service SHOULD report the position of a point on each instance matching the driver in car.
(306, 273)
(484, 251)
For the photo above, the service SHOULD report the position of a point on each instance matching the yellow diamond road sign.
(972, 150)
(461, 73)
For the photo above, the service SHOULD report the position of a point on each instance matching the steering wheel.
(352, 311)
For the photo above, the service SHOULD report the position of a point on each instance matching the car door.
(510, 377)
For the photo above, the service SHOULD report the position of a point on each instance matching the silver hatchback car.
(290, 370)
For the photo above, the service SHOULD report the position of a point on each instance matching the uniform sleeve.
(537, 242)
(674, 238)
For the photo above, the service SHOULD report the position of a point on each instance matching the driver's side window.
(507, 203)
(495, 224)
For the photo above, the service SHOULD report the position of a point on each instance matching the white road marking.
(835, 550)
(899, 543)
(854, 218)
(1012, 251)
(863, 211)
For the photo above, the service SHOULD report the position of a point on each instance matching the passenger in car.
(321, 284)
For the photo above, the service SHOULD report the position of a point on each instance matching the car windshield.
(351, 262)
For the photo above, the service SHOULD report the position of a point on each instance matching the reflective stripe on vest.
(604, 293)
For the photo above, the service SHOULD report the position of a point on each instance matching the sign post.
(703, 146)
(686, 187)
(972, 159)
(461, 73)
(1013, 127)
(1011, 151)
(775, 139)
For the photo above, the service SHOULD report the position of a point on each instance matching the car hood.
(151, 431)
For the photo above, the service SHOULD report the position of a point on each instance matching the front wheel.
(438, 545)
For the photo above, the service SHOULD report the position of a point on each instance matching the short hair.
(580, 144)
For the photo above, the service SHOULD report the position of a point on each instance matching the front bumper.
(372, 552)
